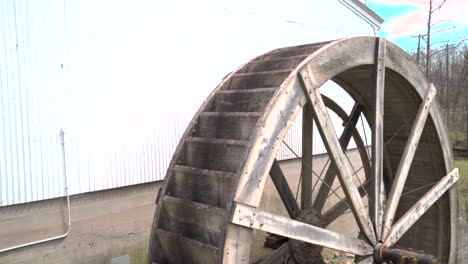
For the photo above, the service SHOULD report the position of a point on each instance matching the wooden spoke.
(340, 208)
(330, 174)
(333, 213)
(306, 168)
(407, 159)
(332, 144)
(251, 217)
(376, 207)
(284, 191)
(419, 208)
(277, 257)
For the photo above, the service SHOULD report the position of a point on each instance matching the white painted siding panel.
(124, 78)
(30, 102)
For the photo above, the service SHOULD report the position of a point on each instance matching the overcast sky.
(404, 18)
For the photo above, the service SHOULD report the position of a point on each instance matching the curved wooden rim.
(325, 63)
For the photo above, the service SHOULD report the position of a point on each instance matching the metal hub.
(383, 254)
(305, 253)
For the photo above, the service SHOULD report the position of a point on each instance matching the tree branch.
(442, 30)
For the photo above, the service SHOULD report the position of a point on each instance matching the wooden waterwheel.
(405, 204)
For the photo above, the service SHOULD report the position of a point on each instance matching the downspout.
(62, 135)
(375, 27)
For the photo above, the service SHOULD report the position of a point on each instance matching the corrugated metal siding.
(123, 78)
(293, 140)
(30, 163)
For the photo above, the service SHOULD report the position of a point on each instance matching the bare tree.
(466, 103)
(446, 65)
(449, 72)
(433, 8)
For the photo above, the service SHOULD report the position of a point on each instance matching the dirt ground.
(104, 225)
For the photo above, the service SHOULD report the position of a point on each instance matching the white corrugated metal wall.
(124, 78)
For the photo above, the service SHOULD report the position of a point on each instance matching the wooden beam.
(251, 217)
(332, 144)
(407, 159)
(376, 206)
(330, 174)
(283, 189)
(420, 207)
(306, 166)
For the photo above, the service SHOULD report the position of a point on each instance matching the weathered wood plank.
(213, 154)
(200, 253)
(406, 160)
(332, 144)
(242, 100)
(376, 206)
(193, 220)
(420, 207)
(290, 52)
(257, 219)
(237, 247)
(257, 80)
(306, 165)
(273, 64)
(229, 125)
(283, 189)
(202, 186)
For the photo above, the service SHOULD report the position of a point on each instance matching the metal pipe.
(405, 256)
(62, 135)
(375, 27)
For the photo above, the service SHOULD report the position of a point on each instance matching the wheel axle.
(401, 256)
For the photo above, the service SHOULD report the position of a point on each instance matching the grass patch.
(456, 125)
(462, 165)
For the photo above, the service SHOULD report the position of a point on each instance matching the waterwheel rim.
(336, 60)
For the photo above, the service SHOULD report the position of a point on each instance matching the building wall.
(123, 78)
